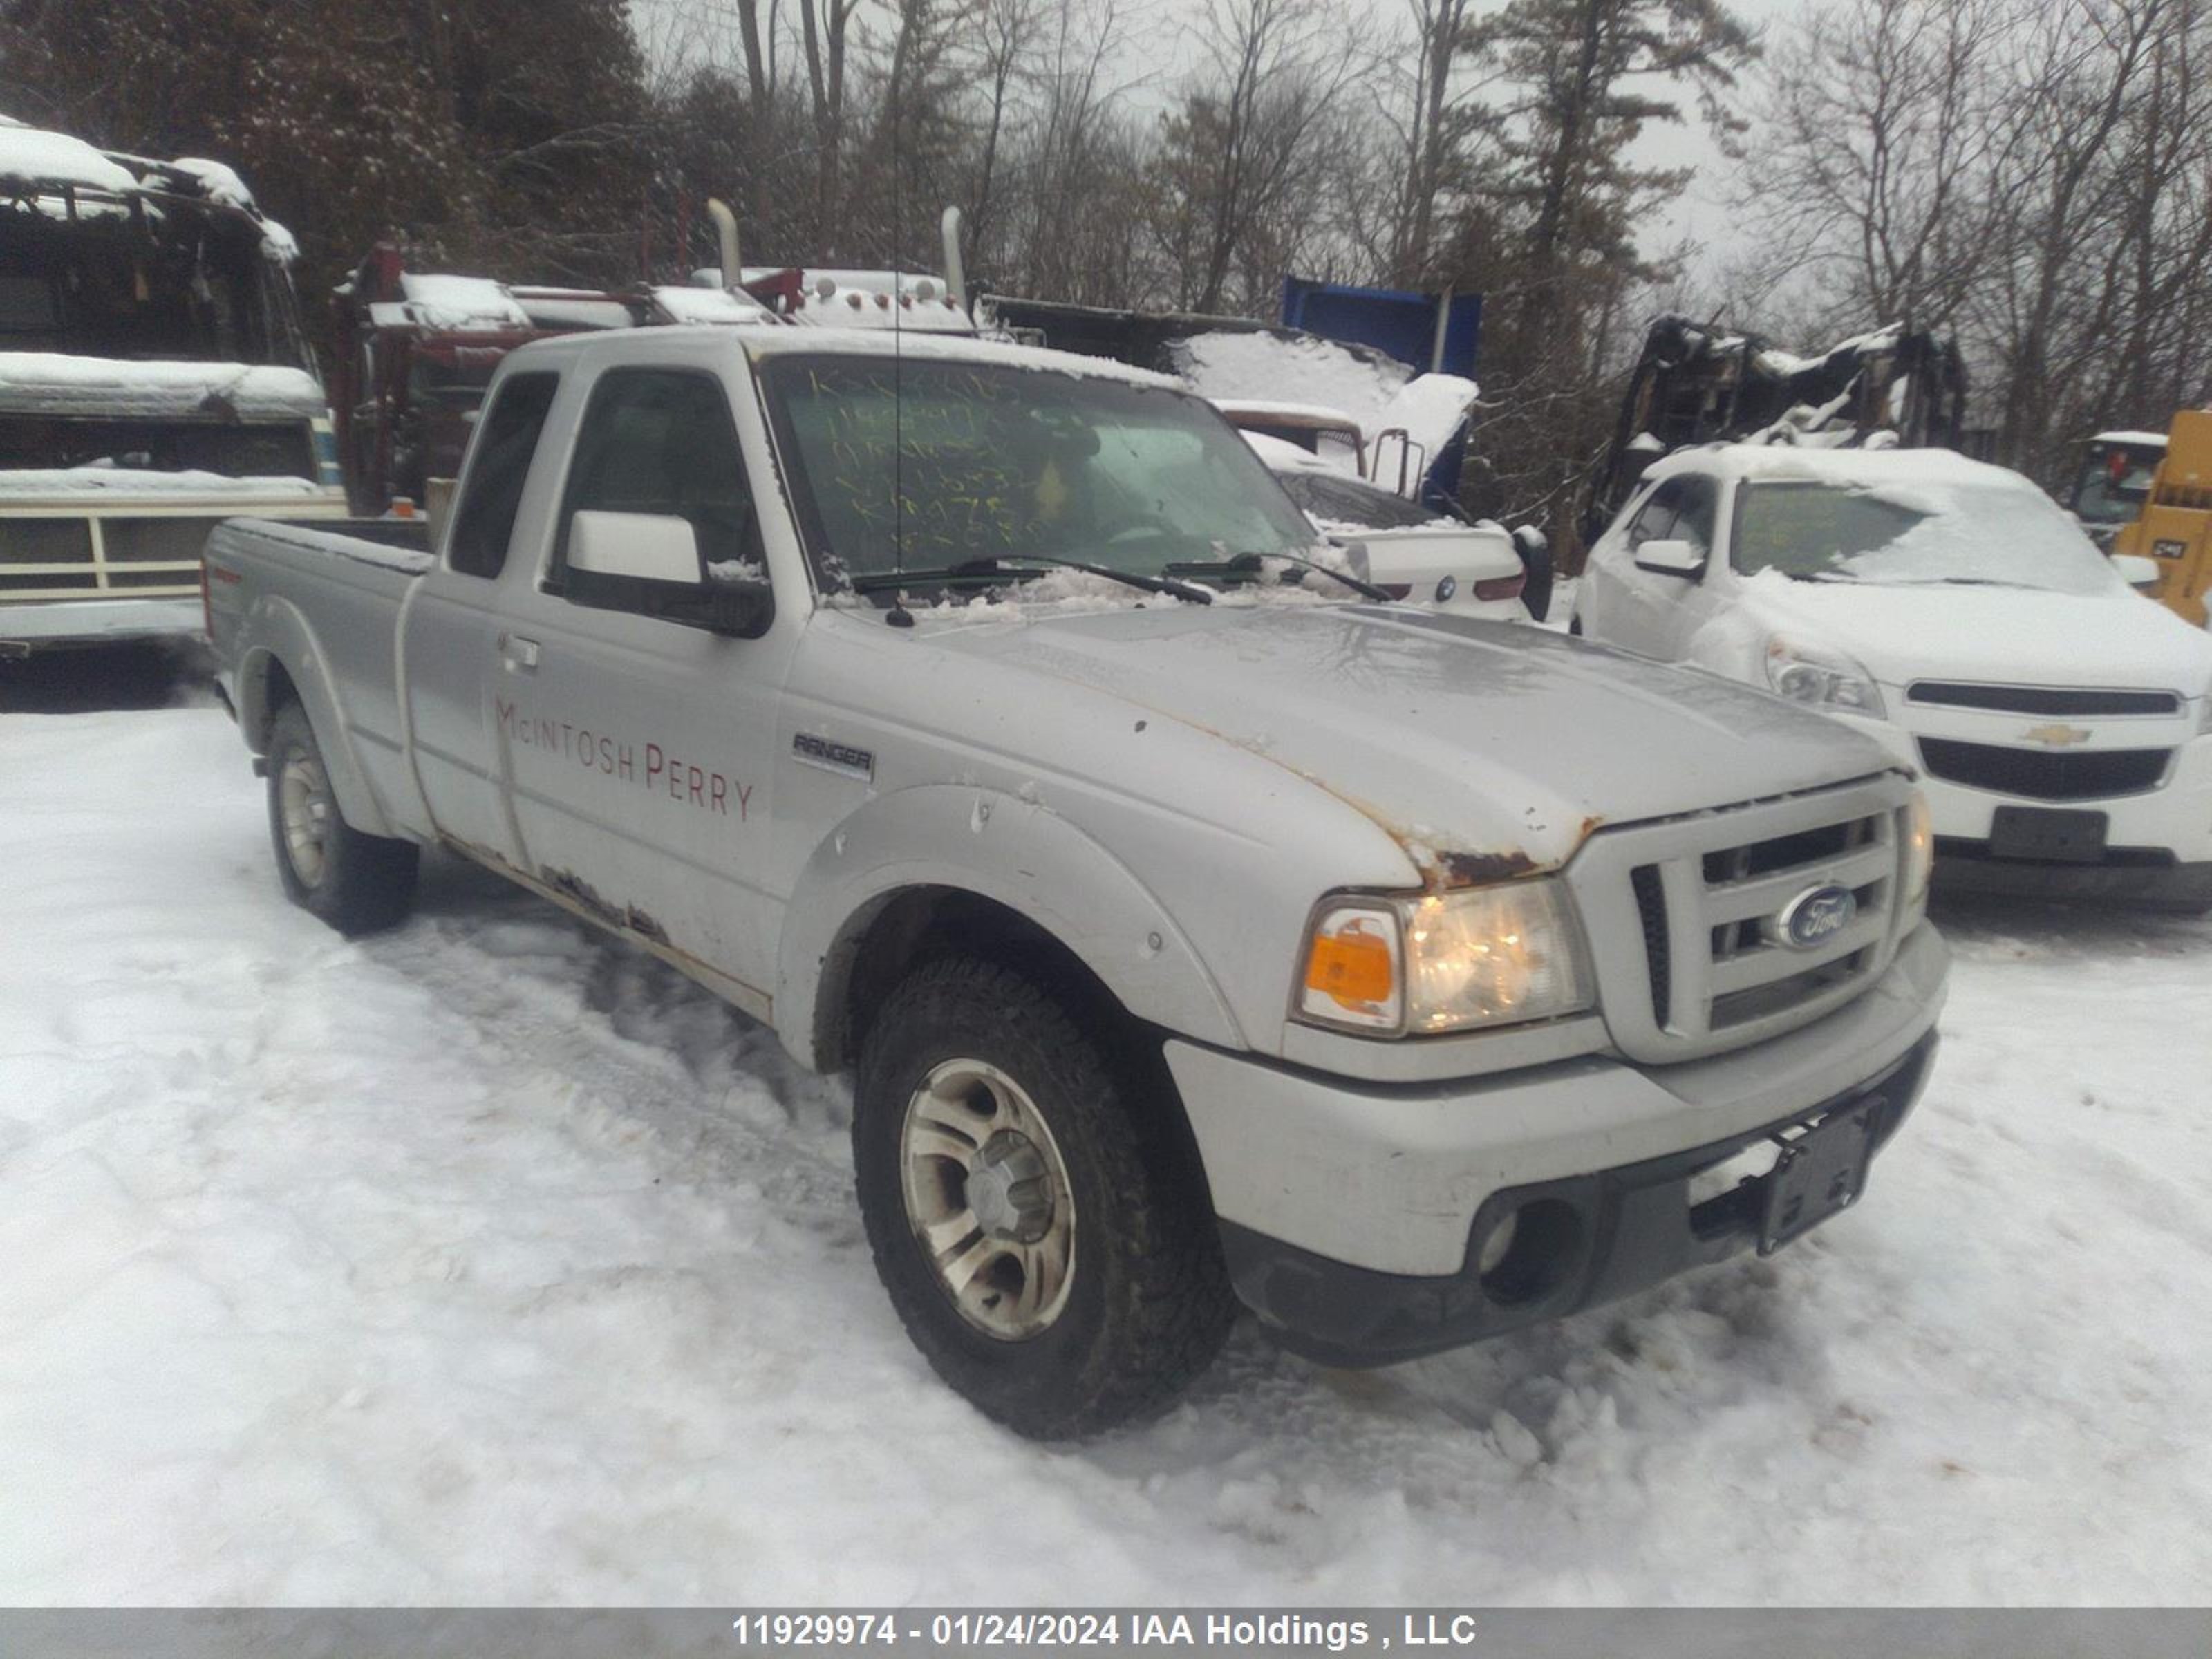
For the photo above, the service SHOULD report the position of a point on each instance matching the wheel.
(355, 883)
(1575, 625)
(1034, 1205)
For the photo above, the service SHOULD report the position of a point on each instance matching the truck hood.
(2117, 639)
(1486, 749)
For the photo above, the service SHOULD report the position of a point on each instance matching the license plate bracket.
(1820, 1174)
(2048, 833)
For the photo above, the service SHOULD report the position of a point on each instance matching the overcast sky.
(1162, 47)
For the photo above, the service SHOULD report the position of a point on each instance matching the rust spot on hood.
(1479, 869)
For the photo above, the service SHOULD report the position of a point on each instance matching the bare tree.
(1879, 122)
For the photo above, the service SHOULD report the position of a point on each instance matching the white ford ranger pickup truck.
(1196, 930)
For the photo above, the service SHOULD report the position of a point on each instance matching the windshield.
(927, 465)
(2114, 484)
(2001, 534)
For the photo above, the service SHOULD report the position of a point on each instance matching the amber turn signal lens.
(1353, 966)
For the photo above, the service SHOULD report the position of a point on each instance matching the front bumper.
(53, 623)
(1350, 1212)
(1610, 1235)
(2165, 827)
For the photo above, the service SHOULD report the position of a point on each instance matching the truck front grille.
(1685, 917)
(92, 555)
(2045, 775)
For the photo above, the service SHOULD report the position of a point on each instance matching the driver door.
(637, 749)
(1652, 614)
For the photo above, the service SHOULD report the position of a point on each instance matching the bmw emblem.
(1446, 588)
(1815, 916)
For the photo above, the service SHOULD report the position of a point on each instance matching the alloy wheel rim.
(304, 804)
(987, 1198)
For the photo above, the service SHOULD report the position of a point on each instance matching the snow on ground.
(489, 1261)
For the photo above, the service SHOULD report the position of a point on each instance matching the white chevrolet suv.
(2064, 723)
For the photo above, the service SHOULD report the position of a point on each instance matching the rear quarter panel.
(317, 610)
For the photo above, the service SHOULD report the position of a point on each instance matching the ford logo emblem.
(1815, 916)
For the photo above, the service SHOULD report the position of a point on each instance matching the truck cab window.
(662, 442)
(504, 445)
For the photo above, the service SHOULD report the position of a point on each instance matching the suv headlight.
(1820, 678)
(1445, 962)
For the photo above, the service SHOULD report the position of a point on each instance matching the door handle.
(517, 654)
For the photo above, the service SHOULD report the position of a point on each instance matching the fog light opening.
(1528, 1254)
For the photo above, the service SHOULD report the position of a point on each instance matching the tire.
(1575, 626)
(357, 883)
(1141, 1304)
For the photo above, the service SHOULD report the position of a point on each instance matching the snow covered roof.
(56, 158)
(462, 304)
(709, 305)
(1786, 463)
(54, 383)
(921, 347)
(17, 483)
(1260, 370)
(218, 181)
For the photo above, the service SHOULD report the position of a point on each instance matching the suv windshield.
(926, 465)
(1965, 530)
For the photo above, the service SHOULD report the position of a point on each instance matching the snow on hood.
(52, 383)
(56, 158)
(1489, 739)
(2003, 636)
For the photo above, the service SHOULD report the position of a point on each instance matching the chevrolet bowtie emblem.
(2055, 737)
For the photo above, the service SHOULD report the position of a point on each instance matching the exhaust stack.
(956, 279)
(725, 236)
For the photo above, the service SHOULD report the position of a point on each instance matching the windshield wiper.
(868, 581)
(1249, 564)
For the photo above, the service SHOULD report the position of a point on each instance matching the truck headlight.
(1919, 850)
(1446, 962)
(1820, 678)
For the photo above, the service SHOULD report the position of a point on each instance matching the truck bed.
(333, 589)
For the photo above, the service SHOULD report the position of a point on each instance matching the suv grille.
(2040, 700)
(1685, 917)
(2042, 774)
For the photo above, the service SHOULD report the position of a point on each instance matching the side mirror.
(650, 563)
(1671, 558)
(2136, 571)
(644, 547)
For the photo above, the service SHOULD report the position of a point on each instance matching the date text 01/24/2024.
(1239, 1631)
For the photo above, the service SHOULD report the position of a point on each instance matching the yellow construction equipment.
(2175, 525)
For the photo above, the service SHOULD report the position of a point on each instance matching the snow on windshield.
(2004, 534)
